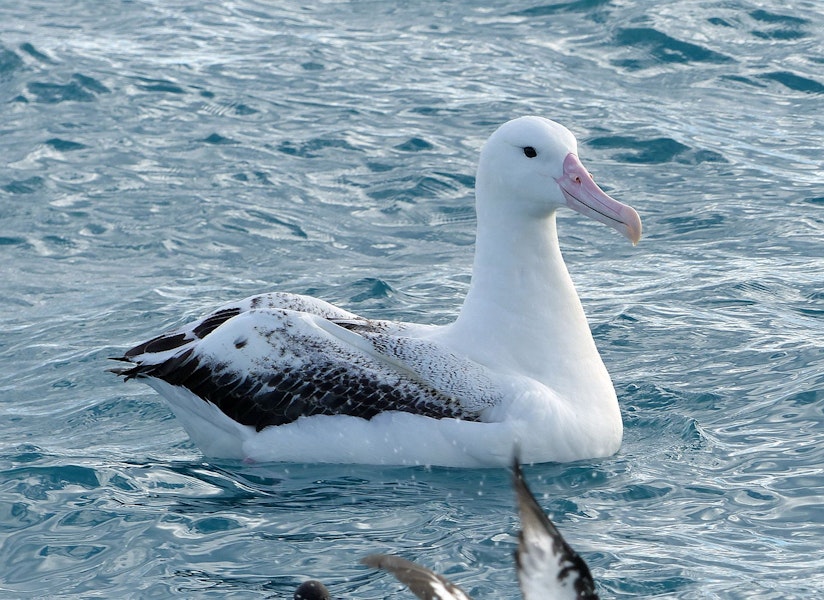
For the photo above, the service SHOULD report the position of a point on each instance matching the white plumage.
(292, 378)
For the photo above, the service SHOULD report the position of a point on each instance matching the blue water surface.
(162, 157)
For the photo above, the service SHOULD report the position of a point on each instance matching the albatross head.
(533, 163)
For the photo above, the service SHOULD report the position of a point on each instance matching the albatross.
(288, 377)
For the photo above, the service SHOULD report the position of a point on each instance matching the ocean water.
(162, 157)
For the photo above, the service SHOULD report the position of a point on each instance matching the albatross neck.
(522, 305)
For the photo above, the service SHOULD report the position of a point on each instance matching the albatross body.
(285, 377)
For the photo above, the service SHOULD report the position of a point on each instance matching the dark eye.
(530, 152)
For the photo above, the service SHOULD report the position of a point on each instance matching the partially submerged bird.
(286, 377)
(312, 590)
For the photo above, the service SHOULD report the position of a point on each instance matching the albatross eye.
(530, 152)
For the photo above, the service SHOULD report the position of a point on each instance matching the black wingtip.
(521, 488)
(161, 343)
(516, 465)
(128, 371)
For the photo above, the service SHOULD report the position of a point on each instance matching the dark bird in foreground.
(312, 590)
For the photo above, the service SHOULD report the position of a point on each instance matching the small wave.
(655, 150)
(663, 48)
(9, 63)
(795, 82)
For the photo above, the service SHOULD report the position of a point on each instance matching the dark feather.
(421, 581)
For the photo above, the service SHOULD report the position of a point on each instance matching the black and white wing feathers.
(422, 582)
(271, 359)
(547, 566)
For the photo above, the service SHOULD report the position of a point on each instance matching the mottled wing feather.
(422, 582)
(452, 375)
(547, 566)
(173, 340)
(271, 359)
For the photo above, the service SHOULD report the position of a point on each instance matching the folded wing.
(271, 359)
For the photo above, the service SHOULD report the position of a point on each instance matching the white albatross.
(285, 377)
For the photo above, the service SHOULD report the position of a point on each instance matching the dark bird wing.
(421, 581)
